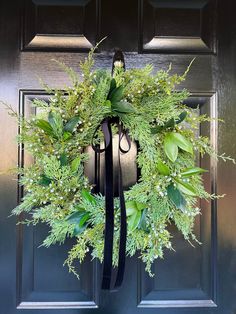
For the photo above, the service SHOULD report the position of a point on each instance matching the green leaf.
(44, 180)
(134, 213)
(88, 196)
(169, 124)
(123, 107)
(63, 159)
(66, 135)
(140, 206)
(182, 142)
(76, 217)
(71, 124)
(55, 120)
(112, 85)
(182, 116)
(83, 219)
(45, 126)
(170, 147)
(116, 95)
(78, 230)
(186, 188)
(142, 222)
(192, 171)
(131, 208)
(176, 197)
(156, 129)
(79, 219)
(162, 168)
(133, 220)
(75, 164)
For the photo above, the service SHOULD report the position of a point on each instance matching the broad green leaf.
(133, 220)
(176, 197)
(78, 230)
(66, 135)
(169, 124)
(156, 129)
(75, 164)
(182, 116)
(186, 188)
(170, 147)
(45, 126)
(182, 142)
(131, 208)
(63, 159)
(140, 206)
(123, 107)
(73, 218)
(44, 180)
(71, 124)
(55, 120)
(192, 171)
(116, 95)
(112, 85)
(83, 219)
(79, 219)
(134, 212)
(162, 168)
(88, 196)
(142, 222)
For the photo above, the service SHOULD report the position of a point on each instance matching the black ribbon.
(109, 202)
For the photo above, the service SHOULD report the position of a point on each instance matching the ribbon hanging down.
(109, 202)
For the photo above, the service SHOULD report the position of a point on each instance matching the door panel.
(178, 26)
(32, 32)
(59, 25)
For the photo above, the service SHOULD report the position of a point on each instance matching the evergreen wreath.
(58, 193)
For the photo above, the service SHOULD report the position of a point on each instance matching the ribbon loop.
(109, 202)
(107, 137)
(124, 133)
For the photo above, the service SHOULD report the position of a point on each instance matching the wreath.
(141, 105)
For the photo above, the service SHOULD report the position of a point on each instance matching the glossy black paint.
(200, 280)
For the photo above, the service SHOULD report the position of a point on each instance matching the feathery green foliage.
(59, 194)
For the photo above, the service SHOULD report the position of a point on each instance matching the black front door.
(32, 32)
